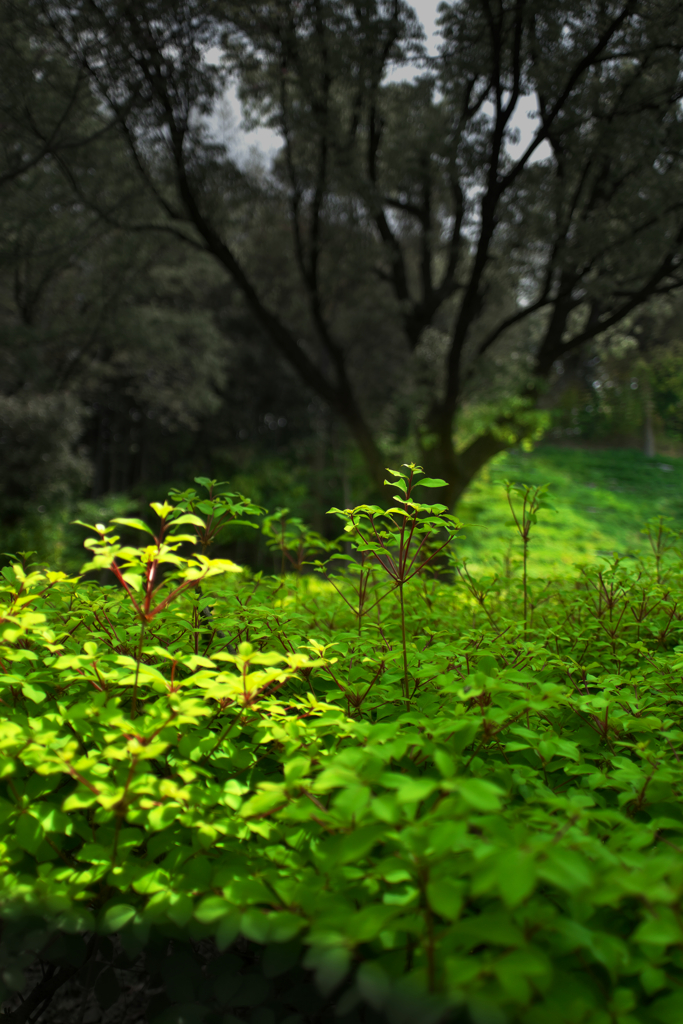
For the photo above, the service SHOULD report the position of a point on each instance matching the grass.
(603, 499)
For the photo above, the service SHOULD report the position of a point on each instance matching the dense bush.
(397, 787)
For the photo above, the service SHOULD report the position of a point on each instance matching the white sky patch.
(525, 117)
(256, 145)
(262, 144)
(427, 12)
(227, 125)
(526, 121)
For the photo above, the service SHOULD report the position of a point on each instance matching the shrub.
(390, 789)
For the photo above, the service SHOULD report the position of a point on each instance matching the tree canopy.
(406, 252)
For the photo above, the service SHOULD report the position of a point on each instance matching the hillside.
(603, 499)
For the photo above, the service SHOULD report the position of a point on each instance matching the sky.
(426, 12)
(263, 143)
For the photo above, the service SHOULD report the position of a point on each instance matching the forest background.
(443, 247)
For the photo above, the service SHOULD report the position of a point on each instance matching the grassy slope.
(602, 497)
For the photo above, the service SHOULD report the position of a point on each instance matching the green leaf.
(263, 803)
(386, 808)
(445, 897)
(34, 693)
(653, 980)
(667, 1009)
(518, 968)
(331, 965)
(115, 917)
(415, 790)
(284, 926)
(189, 519)
(354, 846)
(566, 869)
(29, 833)
(255, 925)
(373, 984)
(480, 794)
(429, 481)
(211, 909)
(660, 928)
(445, 763)
(517, 876)
(179, 908)
(228, 930)
(134, 524)
(366, 924)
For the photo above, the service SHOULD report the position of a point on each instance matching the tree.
(44, 99)
(106, 347)
(543, 249)
(100, 353)
(628, 387)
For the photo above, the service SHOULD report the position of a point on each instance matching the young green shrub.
(270, 828)
(398, 539)
(533, 500)
(222, 510)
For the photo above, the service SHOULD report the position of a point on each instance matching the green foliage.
(632, 375)
(403, 541)
(532, 501)
(294, 540)
(222, 510)
(430, 807)
(667, 380)
(602, 497)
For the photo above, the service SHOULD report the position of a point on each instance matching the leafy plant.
(661, 538)
(278, 826)
(221, 508)
(523, 518)
(140, 571)
(293, 539)
(399, 538)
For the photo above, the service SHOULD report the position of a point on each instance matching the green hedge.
(386, 789)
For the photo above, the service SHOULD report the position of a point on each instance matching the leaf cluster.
(213, 755)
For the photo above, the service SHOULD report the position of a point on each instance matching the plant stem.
(403, 641)
(525, 539)
(362, 589)
(134, 703)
